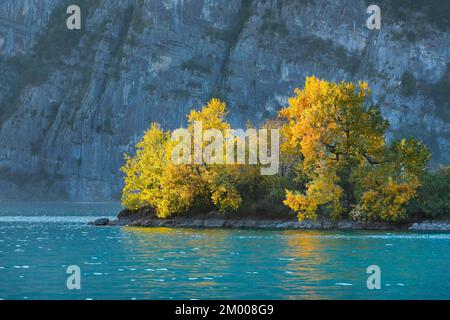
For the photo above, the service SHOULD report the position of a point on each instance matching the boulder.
(101, 222)
(214, 223)
(125, 213)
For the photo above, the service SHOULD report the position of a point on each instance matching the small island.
(335, 169)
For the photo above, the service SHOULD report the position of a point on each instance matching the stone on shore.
(101, 222)
(146, 217)
(430, 226)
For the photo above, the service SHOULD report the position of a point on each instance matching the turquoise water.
(39, 240)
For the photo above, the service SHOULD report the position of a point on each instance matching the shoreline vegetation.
(337, 169)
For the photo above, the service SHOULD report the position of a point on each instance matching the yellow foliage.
(321, 191)
(388, 200)
(212, 116)
(151, 179)
(344, 153)
(335, 144)
(143, 173)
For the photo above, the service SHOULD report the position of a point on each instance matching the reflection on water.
(305, 255)
(163, 263)
(195, 263)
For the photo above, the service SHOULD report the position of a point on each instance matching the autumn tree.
(220, 179)
(144, 171)
(346, 163)
(153, 179)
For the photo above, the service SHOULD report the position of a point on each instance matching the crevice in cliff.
(118, 50)
(244, 14)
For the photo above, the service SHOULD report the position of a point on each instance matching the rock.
(145, 217)
(430, 226)
(147, 212)
(250, 224)
(345, 225)
(326, 224)
(112, 95)
(267, 224)
(288, 224)
(415, 226)
(214, 223)
(115, 223)
(125, 213)
(128, 217)
(101, 222)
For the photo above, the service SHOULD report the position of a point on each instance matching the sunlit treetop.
(345, 155)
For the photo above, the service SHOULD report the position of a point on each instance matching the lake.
(38, 241)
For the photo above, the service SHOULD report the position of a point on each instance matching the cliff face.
(72, 102)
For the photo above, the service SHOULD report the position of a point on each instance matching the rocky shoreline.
(146, 218)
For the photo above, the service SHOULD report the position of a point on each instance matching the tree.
(345, 160)
(144, 172)
(152, 179)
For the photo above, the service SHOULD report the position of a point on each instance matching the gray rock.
(415, 226)
(430, 226)
(346, 224)
(152, 61)
(214, 223)
(125, 214)
(101, 222)
(287, 224)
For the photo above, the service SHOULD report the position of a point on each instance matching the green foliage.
(264, 195)
(433, 197)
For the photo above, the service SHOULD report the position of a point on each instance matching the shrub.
(433, 198)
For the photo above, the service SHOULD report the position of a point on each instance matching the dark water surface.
(38, 241)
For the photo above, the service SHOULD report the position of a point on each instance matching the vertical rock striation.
(72, 102)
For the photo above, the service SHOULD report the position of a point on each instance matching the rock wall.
(72, 102)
